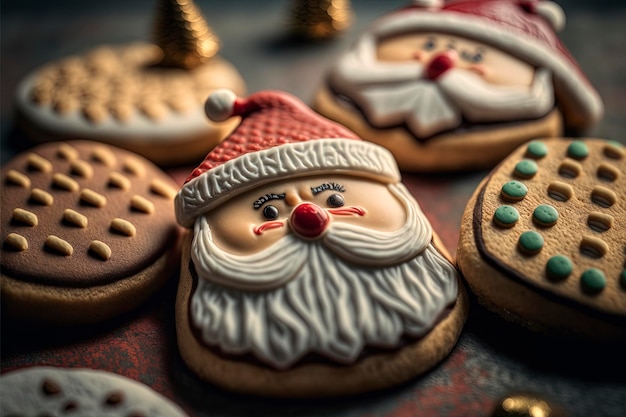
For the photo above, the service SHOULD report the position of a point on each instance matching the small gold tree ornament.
(183, 35)
(320, 19)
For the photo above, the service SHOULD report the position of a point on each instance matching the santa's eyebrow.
(328, 186)
(267, 197)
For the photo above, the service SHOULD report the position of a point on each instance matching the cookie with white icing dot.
(54, 391)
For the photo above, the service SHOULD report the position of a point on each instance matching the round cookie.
(80, 392)
(119, 95)
(314, 273)
(449, 86)
(88, 232)
(560, 267)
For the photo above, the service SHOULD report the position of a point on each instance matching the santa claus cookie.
(50, 391)
(88, 232)
(459, 85)
(543, 238)
(147, 98)
(309, 269)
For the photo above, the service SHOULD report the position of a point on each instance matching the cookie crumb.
(59, 245)
(64, 182)
(123, 226)
(81, 168)
(17, 178)
(92, 198)
(118, 180)
(17, 241)
(38, 163)
(42, 197)
(26, 217)
(67, 152)
(104, 155)
(101, 249)
(75, 218)
(161, 188)
(142, 204)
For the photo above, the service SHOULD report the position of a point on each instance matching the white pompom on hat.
(526, 29)
(279, 137)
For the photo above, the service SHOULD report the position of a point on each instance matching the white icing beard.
(390, 94)
(327, 303)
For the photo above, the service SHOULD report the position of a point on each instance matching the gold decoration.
(183, 35)
(320, 19)
(525, 405)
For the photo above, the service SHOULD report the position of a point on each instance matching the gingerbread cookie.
(310, 270)
(459, 85)
(88, 232)
(147, 98)
(543, 239)
(51, 391)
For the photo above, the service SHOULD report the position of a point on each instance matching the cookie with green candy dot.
(542, 243)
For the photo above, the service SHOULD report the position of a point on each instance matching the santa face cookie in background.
(309, 269)
(88, 232)
(80, 392)
(459, 85)
(147, 98)
(543, 239)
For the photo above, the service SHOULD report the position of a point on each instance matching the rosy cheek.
(479, 69)
(419, 55)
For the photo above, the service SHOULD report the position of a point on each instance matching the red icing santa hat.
(523, 28)
(279, 137)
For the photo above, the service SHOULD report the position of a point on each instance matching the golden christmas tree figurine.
(320, 19)
(183, 34)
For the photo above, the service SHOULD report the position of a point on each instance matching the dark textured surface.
(492, 358)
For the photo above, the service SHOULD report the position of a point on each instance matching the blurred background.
(254, 38)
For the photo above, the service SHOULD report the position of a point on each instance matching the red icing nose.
(440, 64)
(309, 220)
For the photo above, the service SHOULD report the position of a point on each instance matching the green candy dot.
(545, 215)
(536, 149)
(530, 242)
(559, 267)
(622, 279)
(577, 150)
(514, 191)
(526, 168)
(506, 216)
(592, 281)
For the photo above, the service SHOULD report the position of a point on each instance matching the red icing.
(258, 230)
(440, 64)
(270, 118)
(348, 211)
(309, 220)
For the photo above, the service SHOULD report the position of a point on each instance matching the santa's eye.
(429, 45)
(335, 200)
(270, 212)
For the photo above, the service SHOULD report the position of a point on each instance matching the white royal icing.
(332, 296)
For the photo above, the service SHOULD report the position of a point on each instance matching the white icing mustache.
(390, 94)
(280, 263)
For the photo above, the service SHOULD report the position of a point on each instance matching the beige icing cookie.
(543, 240)
(80, 392)
(121, 96)
(88, 232)
(309, 269)
(459, 85)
